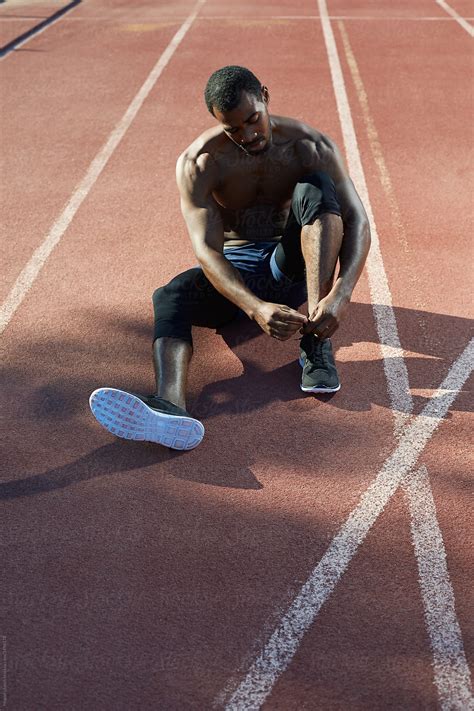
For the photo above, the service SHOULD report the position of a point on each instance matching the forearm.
(228, 281)
(354, 250)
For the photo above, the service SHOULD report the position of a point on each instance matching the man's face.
(248, 124)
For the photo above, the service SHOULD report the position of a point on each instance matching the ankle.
(172, 398)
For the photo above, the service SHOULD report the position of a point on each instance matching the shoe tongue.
(314, 352)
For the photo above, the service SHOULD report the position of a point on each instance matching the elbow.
(366, 235)
(203, 260)
(206, 256)
(357, 230)
(360, 228)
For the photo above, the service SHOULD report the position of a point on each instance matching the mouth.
(255, 145)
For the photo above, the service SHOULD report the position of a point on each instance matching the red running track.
(18, 17)
(137, 577)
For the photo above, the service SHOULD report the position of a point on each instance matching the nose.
(249, 135)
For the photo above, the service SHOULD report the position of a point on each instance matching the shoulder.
(317, 150)
(314, 149)
(196, 166)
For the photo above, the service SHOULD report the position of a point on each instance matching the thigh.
(288, 255)
(191, 296)
(291, 293)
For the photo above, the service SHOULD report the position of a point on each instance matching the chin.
(259, 148)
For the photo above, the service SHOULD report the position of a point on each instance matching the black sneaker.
(319, 368)
(150, 419)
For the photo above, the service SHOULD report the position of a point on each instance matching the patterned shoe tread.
(125, 415)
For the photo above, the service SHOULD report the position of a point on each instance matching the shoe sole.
(126, 416)
(317, 390)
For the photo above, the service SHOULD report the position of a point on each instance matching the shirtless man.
(270, 210)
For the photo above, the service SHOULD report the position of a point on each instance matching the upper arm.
(196, 178)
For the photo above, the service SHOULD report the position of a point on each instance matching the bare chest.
(246, 182)
(254, 196)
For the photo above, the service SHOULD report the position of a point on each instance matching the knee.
(314, 195)
(304, 194)
(157, 294)
(169, 291)
(178, 295)
(317, 182)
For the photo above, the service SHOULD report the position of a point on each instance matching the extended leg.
(171, 358)
(189, 299)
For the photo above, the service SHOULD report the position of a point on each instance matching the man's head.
(237, 99)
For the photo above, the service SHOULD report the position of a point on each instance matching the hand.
(278, 320)
(325, 319)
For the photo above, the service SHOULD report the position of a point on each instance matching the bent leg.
(320, 245)
(313, 235)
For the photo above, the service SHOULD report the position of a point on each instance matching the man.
(269, 208)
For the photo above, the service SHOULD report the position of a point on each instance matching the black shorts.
(274, 271)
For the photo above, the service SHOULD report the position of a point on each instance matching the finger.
(316, 317)
(285, 335)
(289, 318)
(290, 315)
(282, 330)
(325, 321)
(310, 327)
(318, 327)
(283, 327)
(278, 336)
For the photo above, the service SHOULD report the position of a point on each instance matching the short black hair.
(225, 86)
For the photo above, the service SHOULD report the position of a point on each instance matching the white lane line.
(281, 647)
(37, 261)
(451, 670)
(378, 155)
(283, 643)
(379, 18)
(460, 20)
(452, 677)
(393, 362)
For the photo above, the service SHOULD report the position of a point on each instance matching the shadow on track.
(121, 456)
(54, 379)
(431, 342)
(57, 376)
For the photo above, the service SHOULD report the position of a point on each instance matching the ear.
(265, 94)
